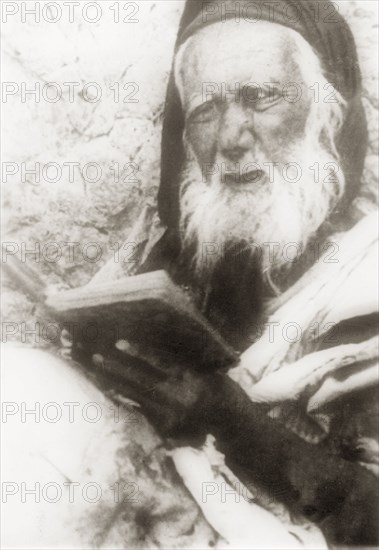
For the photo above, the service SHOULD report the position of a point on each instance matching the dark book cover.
(148, 310)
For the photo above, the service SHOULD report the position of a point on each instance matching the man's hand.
(178, 401)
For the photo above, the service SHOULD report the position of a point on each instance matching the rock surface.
(114, 143)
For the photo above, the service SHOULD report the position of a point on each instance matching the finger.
(162, 361)
(132, 371)
(333, 388)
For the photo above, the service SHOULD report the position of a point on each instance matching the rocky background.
(93, 138)
(111, 75)
(92, 129)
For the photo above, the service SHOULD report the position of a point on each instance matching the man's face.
(261, 118)
(251, 156)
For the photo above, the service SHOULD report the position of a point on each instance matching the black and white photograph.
(189, 295)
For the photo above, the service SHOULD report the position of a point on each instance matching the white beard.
(264, 217)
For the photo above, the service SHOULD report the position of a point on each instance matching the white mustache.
(241, 177)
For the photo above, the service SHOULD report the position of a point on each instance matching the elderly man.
(252, 155)
(263, 147)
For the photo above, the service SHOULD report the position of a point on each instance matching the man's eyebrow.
(199, 99)
(268, 81)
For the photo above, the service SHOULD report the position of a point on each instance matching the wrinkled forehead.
(231, 51)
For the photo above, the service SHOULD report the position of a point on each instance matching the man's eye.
(204, 113)
(267, 99)
(260, 99)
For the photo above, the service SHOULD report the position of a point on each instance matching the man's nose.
(235, 135)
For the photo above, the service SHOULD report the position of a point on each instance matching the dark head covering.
(327, 32)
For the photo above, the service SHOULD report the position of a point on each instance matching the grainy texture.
(111, 133)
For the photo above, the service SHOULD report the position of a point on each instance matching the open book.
(148, 310)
